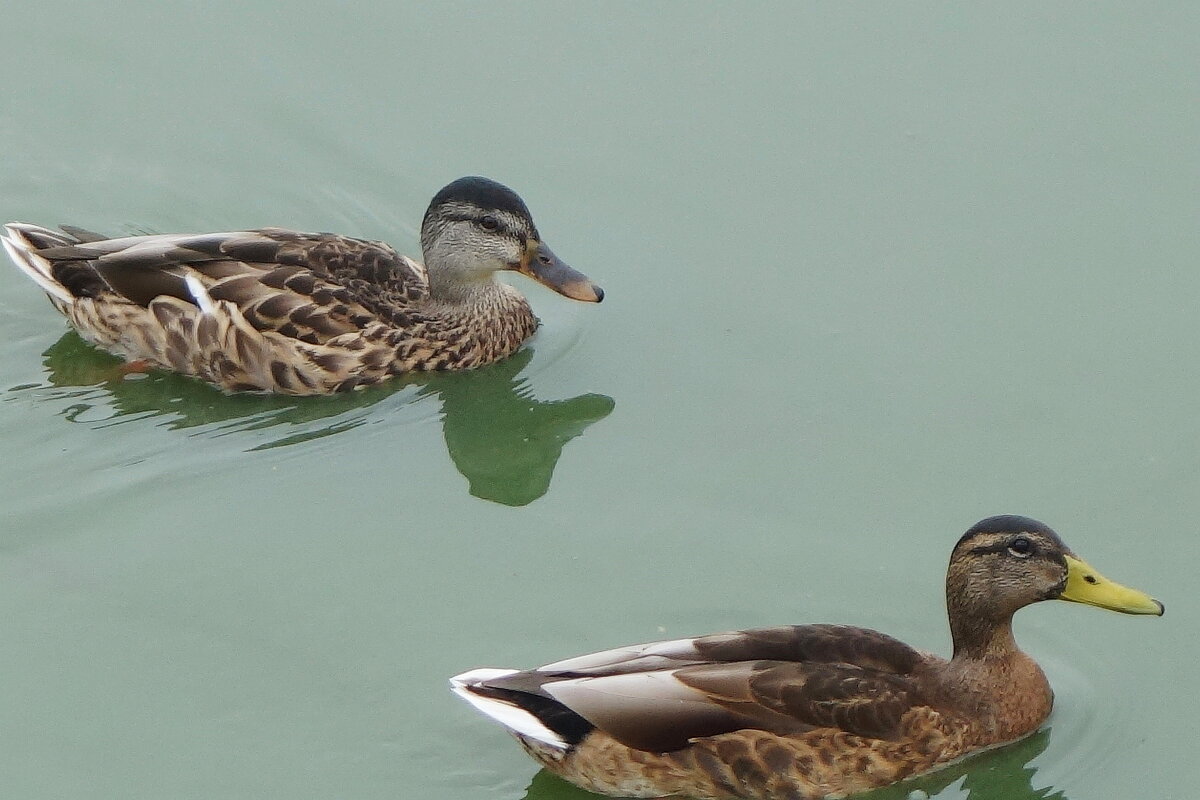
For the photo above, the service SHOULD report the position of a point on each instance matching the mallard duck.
(305, 313)
(807, 711)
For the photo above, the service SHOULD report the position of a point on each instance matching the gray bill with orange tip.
(540, 263)
(1086, 585)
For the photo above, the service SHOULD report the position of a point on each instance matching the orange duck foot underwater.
(305, 313)
(807, 711)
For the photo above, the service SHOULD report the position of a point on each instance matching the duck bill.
(543, 266)
(1086, 585)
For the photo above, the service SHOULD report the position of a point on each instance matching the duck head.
(476, 227)
(1007, 562)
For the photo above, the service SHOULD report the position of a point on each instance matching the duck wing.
(786, 680)
(308, 286)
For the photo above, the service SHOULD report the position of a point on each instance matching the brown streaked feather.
(840, 696)
(296, 313)
(223, 348)
(307, 261)
(832, 644)
(751, 763)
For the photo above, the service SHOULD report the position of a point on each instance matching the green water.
(873, 272)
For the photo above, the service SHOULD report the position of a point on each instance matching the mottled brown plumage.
(303, 313)
(809, 711)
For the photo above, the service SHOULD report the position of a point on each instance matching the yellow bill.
(1086, 585)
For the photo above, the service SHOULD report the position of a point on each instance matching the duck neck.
(993, 682)
(455, 289)
(978, 637)
(980, 621)
(466, 324)
(483, 304)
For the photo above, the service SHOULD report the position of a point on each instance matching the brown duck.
(807, 711)
(305, 313)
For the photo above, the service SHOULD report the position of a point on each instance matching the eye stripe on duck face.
(493, 222)
(1021, 545)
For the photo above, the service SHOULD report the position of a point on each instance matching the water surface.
(872, 274)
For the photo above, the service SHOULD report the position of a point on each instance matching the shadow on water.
(504, 441)
(1002, 774)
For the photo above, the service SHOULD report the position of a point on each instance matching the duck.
(805, 711)
(281, 311)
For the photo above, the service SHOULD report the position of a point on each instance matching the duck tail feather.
(22, 241)
(504, 707)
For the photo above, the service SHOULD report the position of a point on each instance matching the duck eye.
(489, 223)
(1020, 547)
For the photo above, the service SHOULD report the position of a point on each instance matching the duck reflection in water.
(504, 441)
(1001, 774)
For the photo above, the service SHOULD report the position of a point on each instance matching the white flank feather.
(37, 268)
(200, 294)
(513, 717)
